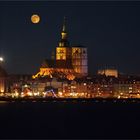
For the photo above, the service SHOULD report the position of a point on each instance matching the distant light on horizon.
(1, 59)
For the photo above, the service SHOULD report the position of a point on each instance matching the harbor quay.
(98, 86)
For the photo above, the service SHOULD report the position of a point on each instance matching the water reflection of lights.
(74, 101)
(23, 101)
(124, 101)
(1, 102)
(133, 101)
(104, 101)
(34, 101)
(64, 101)
(96, 101)
(84, 101)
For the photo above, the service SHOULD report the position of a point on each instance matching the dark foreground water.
(69, 120)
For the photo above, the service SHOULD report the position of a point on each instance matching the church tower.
(71, 57)
(80, 60)
(63, 51)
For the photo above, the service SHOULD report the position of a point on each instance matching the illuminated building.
(3, 76)
(108, 72)
(68, 62)
(79, 60)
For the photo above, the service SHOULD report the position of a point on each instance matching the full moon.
(35, 18)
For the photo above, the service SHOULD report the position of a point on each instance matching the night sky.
(110, 31)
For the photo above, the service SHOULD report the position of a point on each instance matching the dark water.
(69, 120)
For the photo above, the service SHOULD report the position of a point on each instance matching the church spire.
(64, 25)
(64, 42)
(64, 33)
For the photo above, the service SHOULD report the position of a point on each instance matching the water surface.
(58, 119)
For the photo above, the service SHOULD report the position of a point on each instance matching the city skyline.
(108, 29)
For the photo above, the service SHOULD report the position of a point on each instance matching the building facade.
(108, 72)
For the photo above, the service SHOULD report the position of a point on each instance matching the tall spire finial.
(64, 33)
(64, 42)
(64, 25)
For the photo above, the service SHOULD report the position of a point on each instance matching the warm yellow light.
(30, 94)
(60, 93)
(16, 94)
(70, 77)
(84, 84)
(2, 90)
(35, 19)
(119, 97)
(1, 59)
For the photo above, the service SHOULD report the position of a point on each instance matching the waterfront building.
(108, 72)
(3, 80)
(87, 87)
(16, 82)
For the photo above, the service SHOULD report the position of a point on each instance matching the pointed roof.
(64, 25)
(64, 42)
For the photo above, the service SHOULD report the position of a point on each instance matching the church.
(68, 62)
